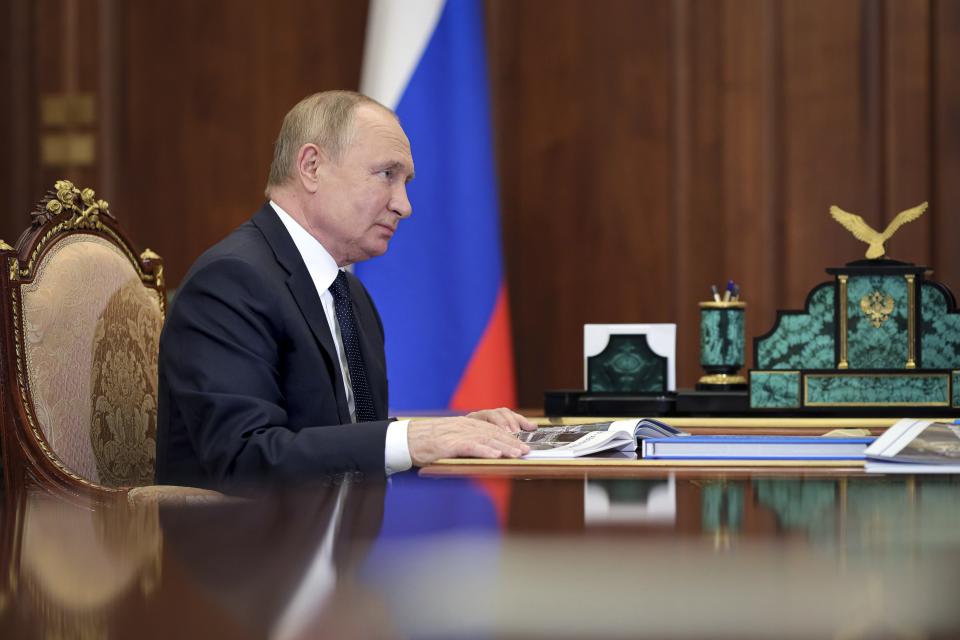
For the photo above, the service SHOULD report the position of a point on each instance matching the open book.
(916, 446)
(575, 440)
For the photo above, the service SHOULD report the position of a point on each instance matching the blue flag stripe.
(437, 285)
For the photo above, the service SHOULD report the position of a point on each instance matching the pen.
(716, 295)
(736, 292)
(726, 294)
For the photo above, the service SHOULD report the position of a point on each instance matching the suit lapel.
(305, 293)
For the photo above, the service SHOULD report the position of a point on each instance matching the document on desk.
(575, 440)
(916, 446)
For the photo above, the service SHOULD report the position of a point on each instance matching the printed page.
(582, 444)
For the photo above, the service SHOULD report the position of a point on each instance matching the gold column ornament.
(5, 247)
(842, 312)
(911, 321)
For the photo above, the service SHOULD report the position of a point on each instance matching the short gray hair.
(324, 119)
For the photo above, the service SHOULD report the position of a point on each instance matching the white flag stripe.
(397, 34)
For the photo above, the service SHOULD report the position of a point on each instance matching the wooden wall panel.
(63, 64)
(584, 167)
(47, 53)
(698, 243)
(775, 111)
(907, 100)
(752, 162)
(646, 149)
(12, 57)
(945, 39)
(203, 89)
(830, 125)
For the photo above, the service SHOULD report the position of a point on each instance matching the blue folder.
(755, 448)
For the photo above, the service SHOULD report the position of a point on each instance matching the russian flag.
(440, 287)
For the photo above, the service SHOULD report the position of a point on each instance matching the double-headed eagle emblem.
(864, 232)
(877, 307)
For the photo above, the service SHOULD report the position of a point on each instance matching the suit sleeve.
(220, 353)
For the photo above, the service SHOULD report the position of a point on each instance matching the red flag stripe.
(488, 380)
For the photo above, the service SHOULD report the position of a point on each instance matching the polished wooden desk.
(598, 467)
(672, 553)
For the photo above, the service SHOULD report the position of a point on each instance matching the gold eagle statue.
(864, 232)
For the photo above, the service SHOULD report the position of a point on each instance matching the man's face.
(360, 199)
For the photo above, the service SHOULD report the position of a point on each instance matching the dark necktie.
(343, 304)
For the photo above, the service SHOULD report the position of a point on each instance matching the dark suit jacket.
(250, 389)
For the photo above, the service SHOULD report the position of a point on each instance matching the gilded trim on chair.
(28, 406)
(149, 255)
(27, 272)
(64, 200)
(49, 223)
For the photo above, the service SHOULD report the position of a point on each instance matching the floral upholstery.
(91, 333)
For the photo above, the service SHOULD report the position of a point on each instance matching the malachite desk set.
(879, 338)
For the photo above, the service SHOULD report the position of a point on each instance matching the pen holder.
(721, 345)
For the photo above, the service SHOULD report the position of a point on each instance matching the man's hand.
(512, 422)
(431, 439)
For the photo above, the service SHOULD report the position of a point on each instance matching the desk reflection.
(494, 557)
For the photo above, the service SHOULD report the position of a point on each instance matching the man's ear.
(310, 159)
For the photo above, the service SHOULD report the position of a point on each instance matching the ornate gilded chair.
(81, 320)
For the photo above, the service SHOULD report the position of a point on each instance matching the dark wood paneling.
(830, 127)
(583, 142)
(698, 243)
(774, 111)
(945, 27)
(50, 49)
(907, 99)
(11, 59)
(203, 89)
(64, 62)
(646, 149)
(751, 164)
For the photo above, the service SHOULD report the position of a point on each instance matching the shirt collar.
(320, 264)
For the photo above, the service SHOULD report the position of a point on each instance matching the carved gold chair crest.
(81, 321)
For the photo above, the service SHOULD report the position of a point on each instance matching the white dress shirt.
(323, 271)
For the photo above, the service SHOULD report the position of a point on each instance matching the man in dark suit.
(272, 363)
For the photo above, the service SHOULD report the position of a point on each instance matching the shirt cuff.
(396, 451)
